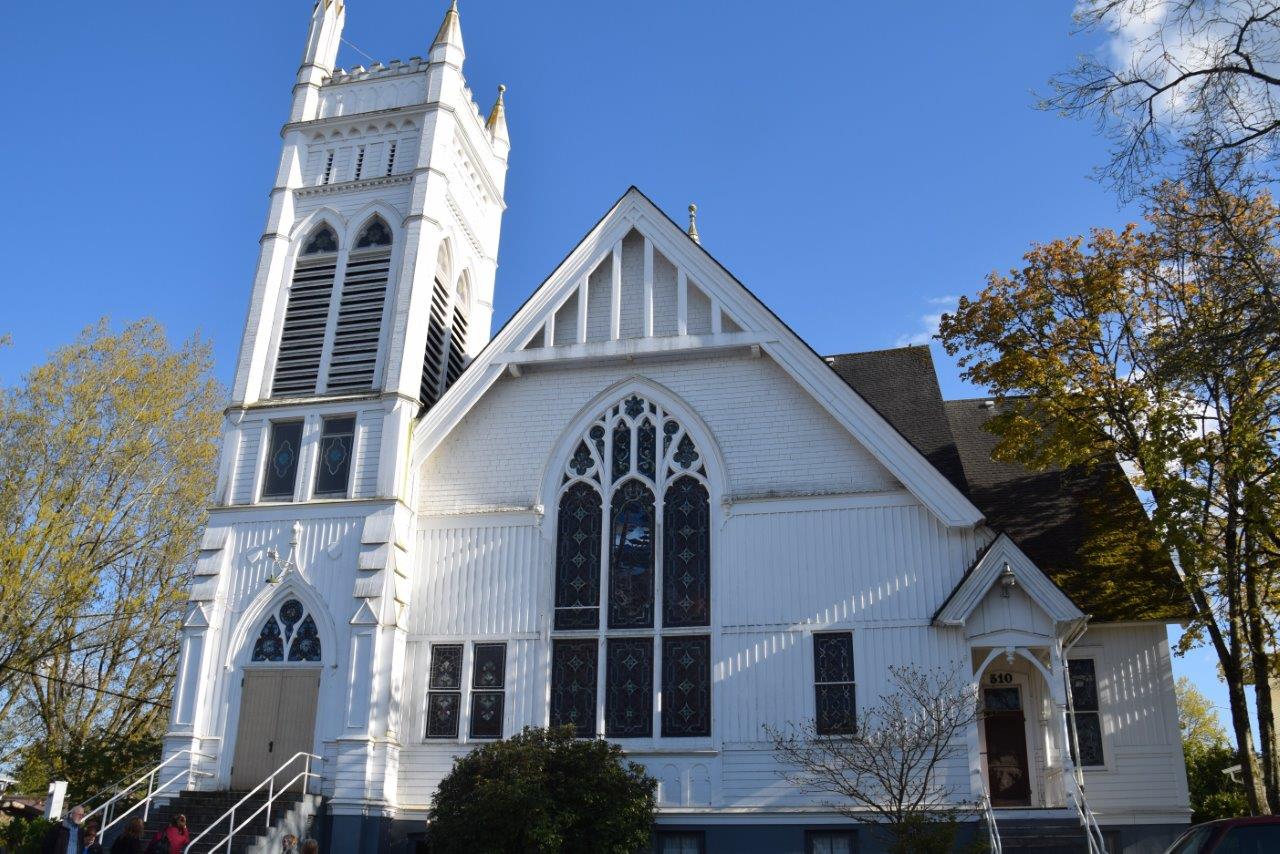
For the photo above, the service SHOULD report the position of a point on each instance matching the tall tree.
(107, 456)
(1208, 755)
(1160, 346)
(1177, 76)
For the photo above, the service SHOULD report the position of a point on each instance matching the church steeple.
(447, 46)
(324, 36)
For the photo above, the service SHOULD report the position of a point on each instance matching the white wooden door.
(277, 720)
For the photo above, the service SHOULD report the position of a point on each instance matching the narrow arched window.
(288, 633)
(301, 348)
(433, 357)
(633, 538)
(358, 329)
(458, 334)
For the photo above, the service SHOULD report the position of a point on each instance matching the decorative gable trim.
(986, 573)
(730, 299)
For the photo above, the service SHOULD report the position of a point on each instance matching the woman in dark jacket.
(130, 841)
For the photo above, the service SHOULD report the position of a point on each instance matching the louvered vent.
(457, 347)
(302, 339)
(355, 341)
(433, 358)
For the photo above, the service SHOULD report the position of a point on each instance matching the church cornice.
(351, 186)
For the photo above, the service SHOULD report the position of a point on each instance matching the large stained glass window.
(835, 711)
(282, 461)
(633, 532)
(1086, 722)
(333, 468)
(288, 634)
(573, 684)
(686, 686)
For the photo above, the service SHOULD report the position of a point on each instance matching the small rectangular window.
(282, 461)
(333, 464)
(680, 842)
(444, 699)
(488, 678)
(1086, 722)
(830, 842)
(835, 711)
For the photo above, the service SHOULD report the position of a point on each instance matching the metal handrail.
(270, 782)
(993, 832)
(104, 811)
(1093, 831)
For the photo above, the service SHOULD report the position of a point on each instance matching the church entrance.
(277, 720)
(1008, 775)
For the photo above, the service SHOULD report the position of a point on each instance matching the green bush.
(23, 835)
(540, 792)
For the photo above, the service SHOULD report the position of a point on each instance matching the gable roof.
(903, 387)
(761, 328)
(985, 573)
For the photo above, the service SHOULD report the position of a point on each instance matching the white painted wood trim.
(582, 308)
(648, 288)
(631, 348)
(815, 503)
(615, 298)
(682, 302)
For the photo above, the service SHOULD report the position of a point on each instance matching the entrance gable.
(638, 288)
(1008, 597)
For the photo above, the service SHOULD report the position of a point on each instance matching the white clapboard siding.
(365, 479)
(477, 578)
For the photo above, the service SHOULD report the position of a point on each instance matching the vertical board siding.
(326, 554)
(599, 300)
(480, 579)
(365, 483)
(246, 462)
(826, 566)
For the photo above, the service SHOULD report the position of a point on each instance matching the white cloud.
(928, 322)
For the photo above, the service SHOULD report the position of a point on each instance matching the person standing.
(289, 844)
(310, 847)
(130, 841)
(173, 839)
(91, 843)
(66, 837)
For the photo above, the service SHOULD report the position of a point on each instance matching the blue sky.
(856, 166)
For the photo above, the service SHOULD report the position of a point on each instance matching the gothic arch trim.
(693, 424)
(294, 587)
(392, 217)
(303, 227)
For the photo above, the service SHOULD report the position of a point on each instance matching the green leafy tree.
(107, 460)
(1159, 346)
(543, 791)
(1208, 754)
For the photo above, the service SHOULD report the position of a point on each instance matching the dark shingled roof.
(1085, 528)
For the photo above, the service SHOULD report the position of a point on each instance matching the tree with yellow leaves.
(107, 456)
(1160, 345)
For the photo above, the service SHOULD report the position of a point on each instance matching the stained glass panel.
(442, 714)
(446, 665)
(834, 710)
(1088, 735)
(375, 233)
(581, 461)
(1084, 685)
(282, 460)
(1086, 723)
(306, 645)
(333, 468)
(833, 657)
(628, 698)
(686, 554)
(646, 448)
(633, 406)
(323, 240)
(290, 614)
(578, 558)
(686, 453)
(621, 450)
(686, 686)
(486, 714)
(573, 684)
(597, 438)
(269, 646)
(489, 668)
(631, 553)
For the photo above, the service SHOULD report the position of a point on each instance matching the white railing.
(109, 812)
(993, 832)
(1089, 821)
(305, 775)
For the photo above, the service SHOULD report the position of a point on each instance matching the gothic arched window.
(288, 634)
(358, 328)
(633, 535)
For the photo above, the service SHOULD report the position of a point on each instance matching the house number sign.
(1001, 678)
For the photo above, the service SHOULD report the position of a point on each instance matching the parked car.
(1257, 835)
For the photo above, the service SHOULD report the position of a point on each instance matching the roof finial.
(693, 224)
(497, 122)
(450, 32)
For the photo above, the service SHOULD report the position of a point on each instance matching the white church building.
(643, 507)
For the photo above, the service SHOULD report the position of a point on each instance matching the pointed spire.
(497, 123)
(693, 224)
(449, 37)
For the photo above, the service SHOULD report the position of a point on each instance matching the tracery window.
(835, 709)
(288, 634)
(633, 534)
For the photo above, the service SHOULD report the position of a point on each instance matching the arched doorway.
(279, 688)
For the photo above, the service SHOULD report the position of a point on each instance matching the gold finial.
(497, 121)
(693, 224)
